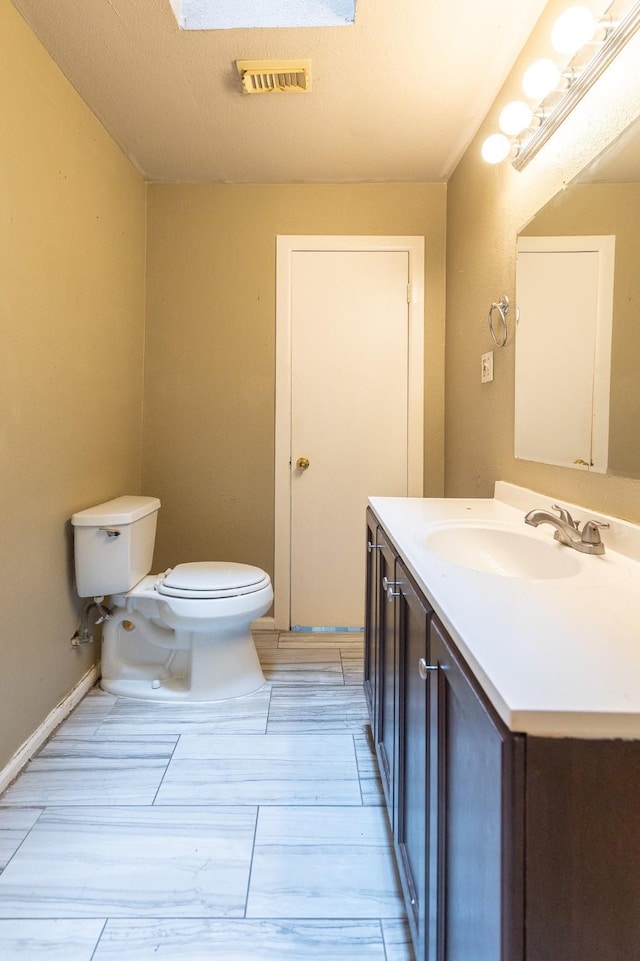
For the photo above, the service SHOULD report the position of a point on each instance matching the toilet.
(183, 635)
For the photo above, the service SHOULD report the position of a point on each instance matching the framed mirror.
(603, 201)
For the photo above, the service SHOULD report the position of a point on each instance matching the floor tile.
(61, 940)
(102, 770)
(315, 666)
(239, 715)
(276, 769)
(370, 783)
(174, 867)
(15, 824)
(266, 641)
(131, 862)
(352, 669)
(308, 710)
(397, 940)
(355, 657)
(88, 714)
(344, 642)
(323, 862)
(205, 940)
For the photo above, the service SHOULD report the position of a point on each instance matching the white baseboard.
(263, 624)
(48, 726)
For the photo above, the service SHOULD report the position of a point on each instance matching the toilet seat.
(211, 579)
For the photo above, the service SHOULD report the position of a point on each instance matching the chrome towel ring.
(502, 307)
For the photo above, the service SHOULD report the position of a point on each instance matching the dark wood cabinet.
(388, 660)
(582, 875)
(370, 672)
(411, 838)
(509, 847)
(450, 771)
(477, 826)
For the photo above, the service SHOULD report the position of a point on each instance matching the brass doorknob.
(302, 463)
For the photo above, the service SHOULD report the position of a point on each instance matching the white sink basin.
(505, 551)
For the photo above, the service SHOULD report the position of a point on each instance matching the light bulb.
(540, 79)
(515, 118)
(496, 148)
(573, 28)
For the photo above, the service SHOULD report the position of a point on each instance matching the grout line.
(355, 751)
(95, 948)
(383, 940)
(36, 807)
(253, 851)
(164, 774)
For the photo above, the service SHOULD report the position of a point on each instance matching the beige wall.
(210, 354)
(72, 235)
(487, 206)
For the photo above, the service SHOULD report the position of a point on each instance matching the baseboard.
(263, 624)
(48, 726)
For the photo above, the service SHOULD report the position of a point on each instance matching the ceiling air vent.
(275, 76)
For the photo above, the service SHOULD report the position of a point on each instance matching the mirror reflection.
(605, 200)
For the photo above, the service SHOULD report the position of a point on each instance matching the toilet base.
(203, 666)
(173, 689)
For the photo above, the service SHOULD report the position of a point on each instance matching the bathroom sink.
(500, 550)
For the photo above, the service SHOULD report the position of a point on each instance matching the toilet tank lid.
(120, 510)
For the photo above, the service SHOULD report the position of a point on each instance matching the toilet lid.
(206, 579)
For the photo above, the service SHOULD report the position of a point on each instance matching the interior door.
(349, 419)
(563, 350)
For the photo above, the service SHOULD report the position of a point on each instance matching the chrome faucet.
(567, 531)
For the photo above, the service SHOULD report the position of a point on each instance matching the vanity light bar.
(578, 76)
(604, 55)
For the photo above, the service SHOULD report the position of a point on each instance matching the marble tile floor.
(249, 830)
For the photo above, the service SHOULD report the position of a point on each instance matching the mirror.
(605, 200)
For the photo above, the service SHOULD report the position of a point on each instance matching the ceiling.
(397, 96)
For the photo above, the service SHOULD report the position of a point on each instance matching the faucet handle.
(565, 516)
(591, 532)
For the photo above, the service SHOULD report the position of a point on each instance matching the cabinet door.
(371, 622)
(479, 817)
(387, 670)
(411, 835)
(583, 849)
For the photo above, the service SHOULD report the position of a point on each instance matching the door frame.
(286, 246)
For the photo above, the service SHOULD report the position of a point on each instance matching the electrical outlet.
(487, 367)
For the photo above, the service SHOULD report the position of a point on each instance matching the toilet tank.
(113, 544)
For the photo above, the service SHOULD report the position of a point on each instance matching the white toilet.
(183, 635)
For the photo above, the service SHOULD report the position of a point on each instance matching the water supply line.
(82, 634)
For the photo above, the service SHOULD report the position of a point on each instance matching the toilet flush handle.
(110, 532)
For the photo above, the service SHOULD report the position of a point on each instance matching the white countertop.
(557, 657)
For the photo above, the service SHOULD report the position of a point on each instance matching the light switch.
(487, 367)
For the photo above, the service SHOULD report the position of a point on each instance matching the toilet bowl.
(183, 635)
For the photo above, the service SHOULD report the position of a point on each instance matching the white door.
(351, 380)
(563, 350)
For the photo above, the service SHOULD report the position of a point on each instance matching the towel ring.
(503, 309)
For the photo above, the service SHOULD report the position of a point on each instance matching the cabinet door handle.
(391, 594)
(373, 547)
(424, 668)
(386, 583)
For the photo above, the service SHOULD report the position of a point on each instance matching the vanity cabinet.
(370, 670)
(381, 656)
(412, 845)
(476, 818)
(509, 847)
